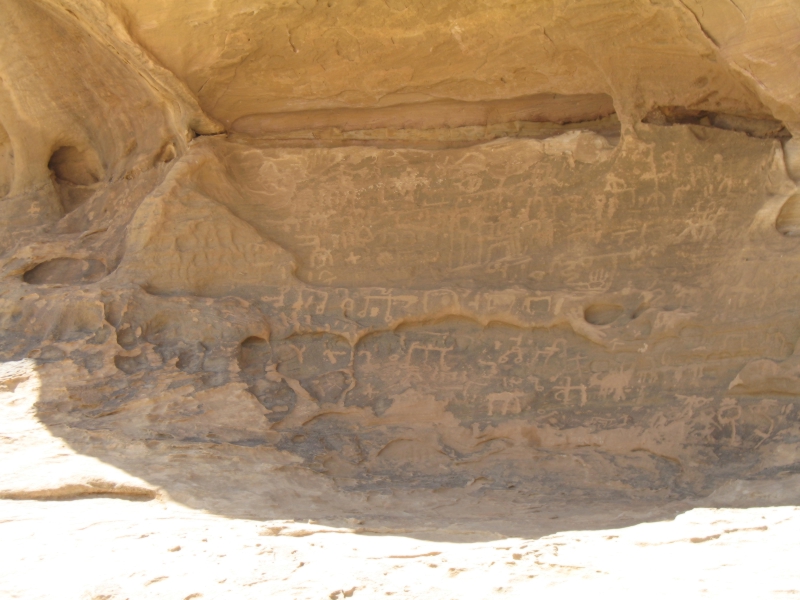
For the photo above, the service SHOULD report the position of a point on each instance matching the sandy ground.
(114, 549)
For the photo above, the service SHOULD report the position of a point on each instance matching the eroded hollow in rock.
(78, 167)
(762, 126)
(66, 270)
(602, 314)
(75, 172)
(788, 221)
(439, 123)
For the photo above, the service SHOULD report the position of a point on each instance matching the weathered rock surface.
(319, 260)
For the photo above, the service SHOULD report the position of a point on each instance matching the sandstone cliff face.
(496, 250)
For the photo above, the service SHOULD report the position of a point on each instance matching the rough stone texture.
(425, 264)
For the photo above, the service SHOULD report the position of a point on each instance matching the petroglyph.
(508, 402)
(615, 384)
